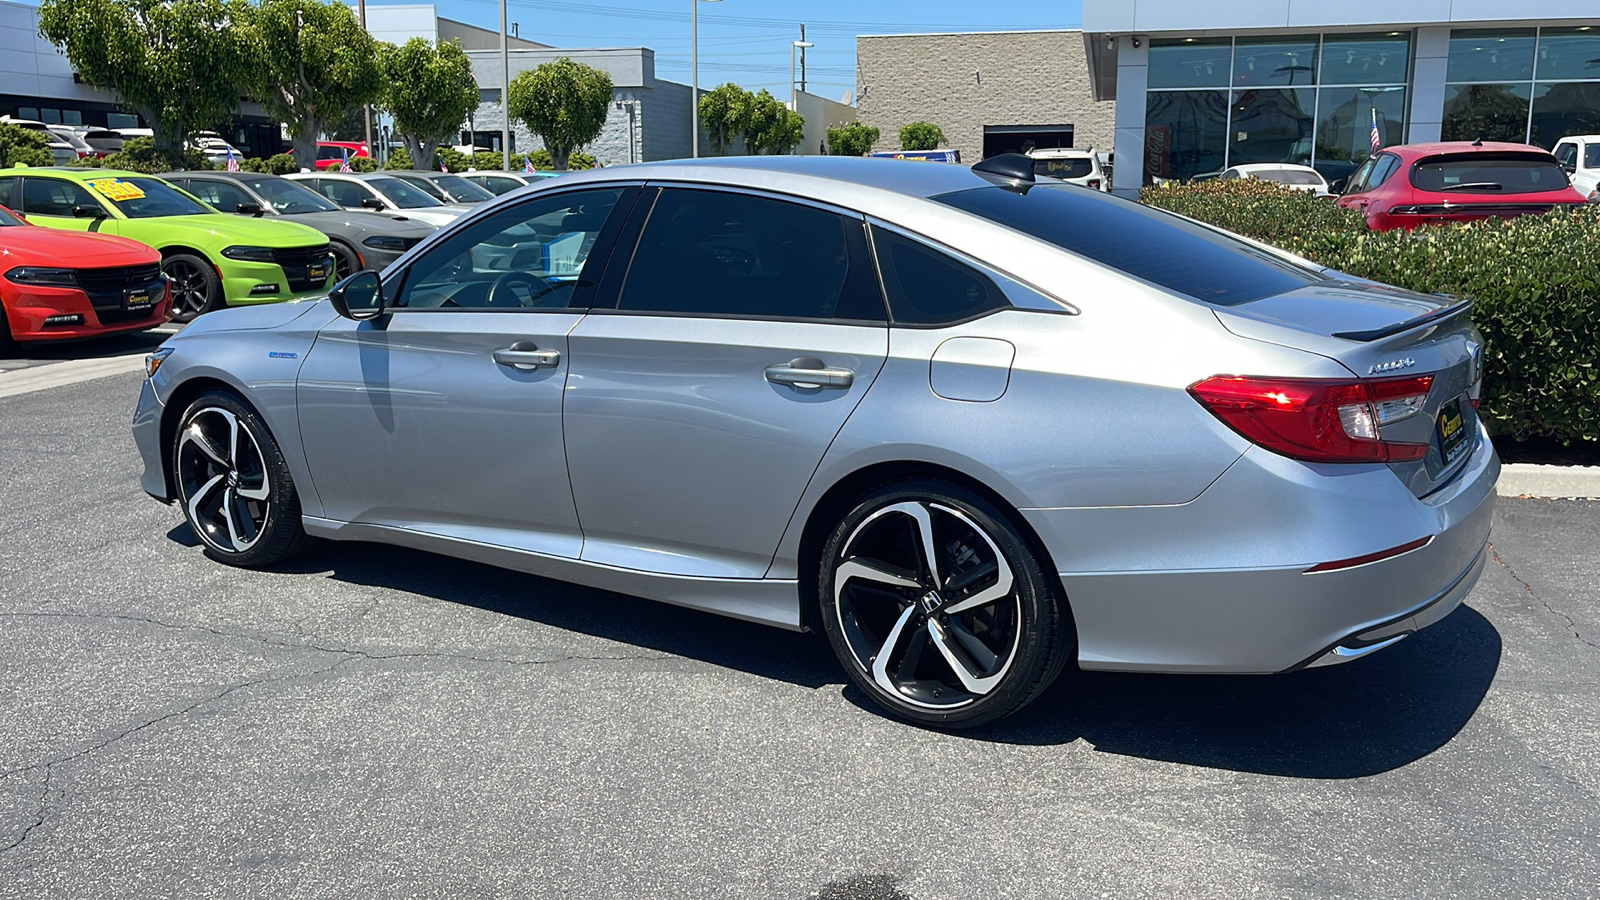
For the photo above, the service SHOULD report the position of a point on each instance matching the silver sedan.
(970, 427)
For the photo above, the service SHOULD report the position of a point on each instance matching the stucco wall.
(962, 82)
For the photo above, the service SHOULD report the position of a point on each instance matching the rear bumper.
(1220, 584)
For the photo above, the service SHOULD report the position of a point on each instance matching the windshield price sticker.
(115, 190)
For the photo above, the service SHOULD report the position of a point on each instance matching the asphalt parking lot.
(373, 722)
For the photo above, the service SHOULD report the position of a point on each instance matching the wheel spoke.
(205, 491)
(193, 435)
(227, 516)
(880, 663)
(975, 682)
(255, 493)
(1003, 578)
(856, 568)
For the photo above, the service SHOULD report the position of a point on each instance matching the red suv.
(1425, 184)
(331, 153)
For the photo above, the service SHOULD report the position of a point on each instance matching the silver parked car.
(970, 427)
(359, 239)
(445, 187)
(381, 192)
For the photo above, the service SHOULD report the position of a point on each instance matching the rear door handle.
(526, 356)
(809, 372)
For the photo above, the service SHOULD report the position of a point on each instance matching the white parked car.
(1300, 178)
(1580, 156)
(214, 147)
(61, 152)
(1077, 166)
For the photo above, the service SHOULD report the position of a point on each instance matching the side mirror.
(1338, 185)
(88, 212)
(248, 209)
(359, 297)
(373, 203)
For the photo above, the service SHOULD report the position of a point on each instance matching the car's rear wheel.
(196, 289)
(934, 602)
(233, 483)
(345, 261)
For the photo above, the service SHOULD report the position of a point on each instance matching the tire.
(196, 289)
(985, 643)
(233, 484)
(8, 345)
(345, 261)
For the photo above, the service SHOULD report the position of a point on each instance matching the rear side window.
(721, 253)
(1490, 173)
(222, 196)
(49, 197)
(927, 287)
(1289, 176)
(1591, 156)
(1148, 244)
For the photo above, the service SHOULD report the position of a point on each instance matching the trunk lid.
(1377, 331)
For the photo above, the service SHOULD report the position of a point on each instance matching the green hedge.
(23, 145)
(1535, 280)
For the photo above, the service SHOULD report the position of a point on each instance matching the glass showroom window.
(1272, 119)
(1363, 84)
(1186, 109)
(1488, 85)
(1566, 91)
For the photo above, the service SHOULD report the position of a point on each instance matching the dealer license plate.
(138, 300)
(317, 273)
(1452, 430)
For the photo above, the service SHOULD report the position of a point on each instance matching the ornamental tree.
(564, 103)
(314, 64)
(178, 64)
(770, 127)
(725, 114)
(854, 139)
(430, 90)
(921, 136)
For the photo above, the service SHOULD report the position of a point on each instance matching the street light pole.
(505, 96)
(366, 108)
(694, 74)
(794, 92)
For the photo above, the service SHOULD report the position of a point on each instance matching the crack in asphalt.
(39, 817)
(363, 654)
(1572, 624)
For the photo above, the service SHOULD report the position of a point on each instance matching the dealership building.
(1199, 87)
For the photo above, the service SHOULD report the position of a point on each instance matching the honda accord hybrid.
(971, 425)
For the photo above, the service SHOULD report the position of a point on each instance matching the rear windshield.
(1490, 173)
(1063, 168)
(1148, 244)
(1288, 176)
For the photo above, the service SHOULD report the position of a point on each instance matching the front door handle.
(526, 356)
(809, 372)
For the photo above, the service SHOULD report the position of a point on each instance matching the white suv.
(1580, 156)
(1077, 166)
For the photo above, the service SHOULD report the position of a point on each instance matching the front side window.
(7, 219)
(345, 193)
(929, 287)
(463, 190)
(425, 186)
(1166, 250)
(220, 195)
(50, 197)
(1358, 181)
(290, 197)
(720, 253)
(530, 256)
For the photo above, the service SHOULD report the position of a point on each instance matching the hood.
(437, 215)
(225, 230)
(36, 246)
(375, 223)
(249, 318)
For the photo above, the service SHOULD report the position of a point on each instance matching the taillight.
(1318, 419)
(1094, 184)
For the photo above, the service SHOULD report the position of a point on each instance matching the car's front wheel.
(196, 289)
(345, 261)
(937, 607)
(233, 483)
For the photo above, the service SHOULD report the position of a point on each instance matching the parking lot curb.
(1555, 482)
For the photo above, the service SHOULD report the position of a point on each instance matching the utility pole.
(505, 95)
(803, 48)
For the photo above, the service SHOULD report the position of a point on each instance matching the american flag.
(442, 168)
(527, 166)
(1377, 139)
(233, 164)
(344, 164)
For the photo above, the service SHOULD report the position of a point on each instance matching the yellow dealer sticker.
(115, 190)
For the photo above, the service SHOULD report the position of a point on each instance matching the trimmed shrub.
(24, 146)
(363, 164)
(486, 160)
(86, 162)
(399, 158)
(854, 139)
(1535, 281)
(579, 160)
(140, 155)
(453, 158)
(921, 136)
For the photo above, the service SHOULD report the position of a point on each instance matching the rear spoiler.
(1438, 315)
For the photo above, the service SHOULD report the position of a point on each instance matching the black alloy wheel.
(938, 609)
(233, 484)
(196, 289)
(345, 261)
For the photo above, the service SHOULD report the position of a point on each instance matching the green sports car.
(213, 259)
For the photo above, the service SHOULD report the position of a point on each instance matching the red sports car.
(1425, 184)
(57, 285)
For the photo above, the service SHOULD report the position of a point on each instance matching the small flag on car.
(344, 164)
(527, 166)
(233, 164)
(442, 168)
(1377, 140)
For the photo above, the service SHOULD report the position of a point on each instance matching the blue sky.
(748, 41)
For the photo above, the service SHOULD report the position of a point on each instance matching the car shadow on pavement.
(1346, 721)
(94, 348)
